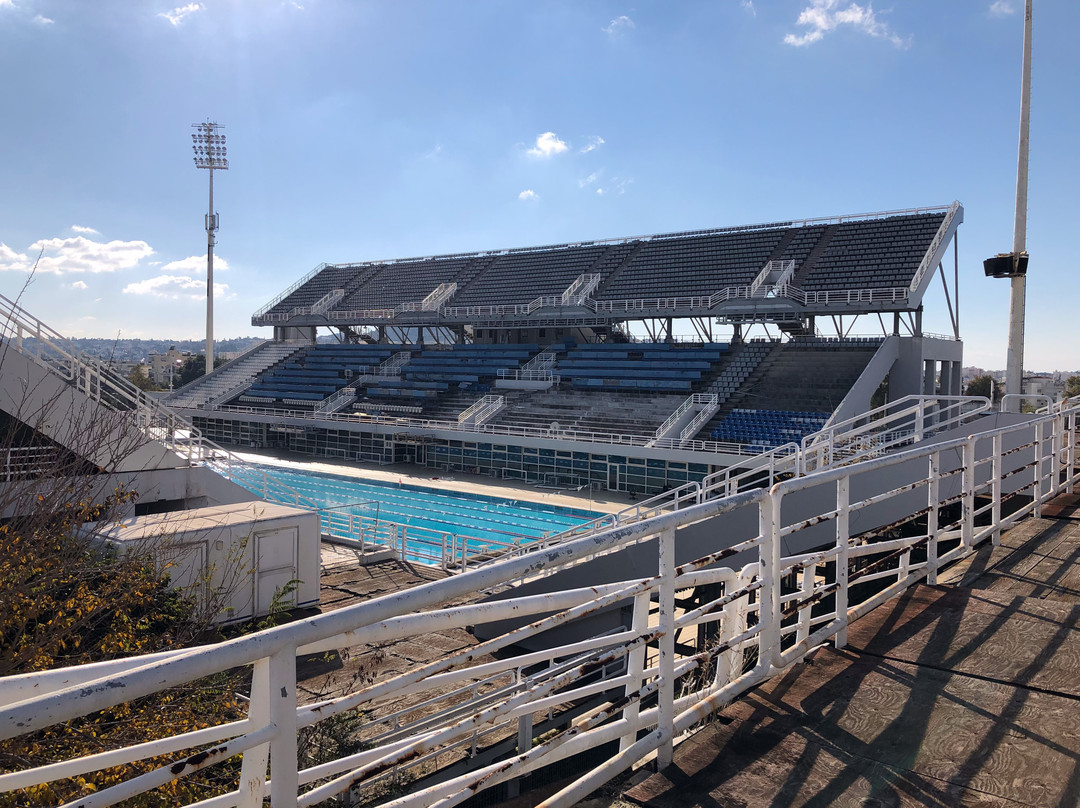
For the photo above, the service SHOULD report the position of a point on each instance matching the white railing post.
(995, 488)
(1071, 463)
(284, 777)
(967, 527)
(843, 498)
(1040, 479)
(769, 607)
(666, 694)
(253, 767)
(635, 665)
(933, 501)
(806, 591)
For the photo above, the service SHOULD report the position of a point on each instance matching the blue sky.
(365, 130)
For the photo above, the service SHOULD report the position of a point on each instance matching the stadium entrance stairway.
(232, 377)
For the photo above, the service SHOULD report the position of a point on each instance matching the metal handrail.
(768, 614)
(98, 381)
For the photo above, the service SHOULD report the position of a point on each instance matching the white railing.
(757, 627)
(773, 274)
(441, 293)
(581, 287)
(337, 400)
(699, 420)
(101, 384)
(511, 430)
(19, 463)
(259, 314)
(927, 263)
(326, 301)
(539, 368)
(895, 425)
(249, 377)
(693, 400)
(362, 314)
(479, 411)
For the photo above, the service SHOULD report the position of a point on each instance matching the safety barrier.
(633, 686)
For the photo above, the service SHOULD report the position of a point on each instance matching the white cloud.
(617, 185)
(589, 180)
(11, 260)
(176, 287)
(77, 254)
(595, 142)
(79, 285)
(748, 5)
(548, 145)
(618, 26)
(823, 16)
(195, 265)
(1002, 8)
(78, 228)
(528, 195)
(177, 15)
(40, 20)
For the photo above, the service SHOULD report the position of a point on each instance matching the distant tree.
(141, 379)
(1072, 386)
(984, 386)
(193, 368)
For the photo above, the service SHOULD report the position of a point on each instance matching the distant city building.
(1044, 384)
(164, 365)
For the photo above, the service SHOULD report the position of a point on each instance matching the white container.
(236, 559)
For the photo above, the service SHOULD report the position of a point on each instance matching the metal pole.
(1014, 370)
(211, 226)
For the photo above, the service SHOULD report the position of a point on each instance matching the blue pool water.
(478, 517)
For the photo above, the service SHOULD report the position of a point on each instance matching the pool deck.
(411, 474)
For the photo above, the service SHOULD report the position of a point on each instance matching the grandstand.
(561, 364)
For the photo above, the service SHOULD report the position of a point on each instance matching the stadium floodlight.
(210, 153)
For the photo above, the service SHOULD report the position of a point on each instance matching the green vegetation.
(984, 386)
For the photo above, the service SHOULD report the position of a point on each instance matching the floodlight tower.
(1014, 363)
(209, 147)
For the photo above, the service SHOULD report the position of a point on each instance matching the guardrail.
(479, 411)
(927, 263)
(884, 429)
(96, 380)
(759, 619)
(693, 400)
(264, 309)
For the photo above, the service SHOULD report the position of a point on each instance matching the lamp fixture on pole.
(209, 147)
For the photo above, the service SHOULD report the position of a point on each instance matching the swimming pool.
(390, 512)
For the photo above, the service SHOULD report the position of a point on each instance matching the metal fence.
(634, 686)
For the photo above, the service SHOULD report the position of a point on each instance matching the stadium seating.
(846, 254)
(519, 276)
(407, 281)
(561, 410)
(882, 253)
(695, 265)
(639, 366)
(765, 429)
(435, 371)
(319, 372)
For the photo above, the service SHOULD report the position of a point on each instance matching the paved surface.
(961, 694)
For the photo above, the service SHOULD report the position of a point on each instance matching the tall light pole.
(209, 147)
(1014, 367)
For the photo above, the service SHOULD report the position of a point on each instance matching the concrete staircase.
(232, 377)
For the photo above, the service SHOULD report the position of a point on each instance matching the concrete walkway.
(961, 694)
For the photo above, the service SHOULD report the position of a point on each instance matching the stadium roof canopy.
(777, 272)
